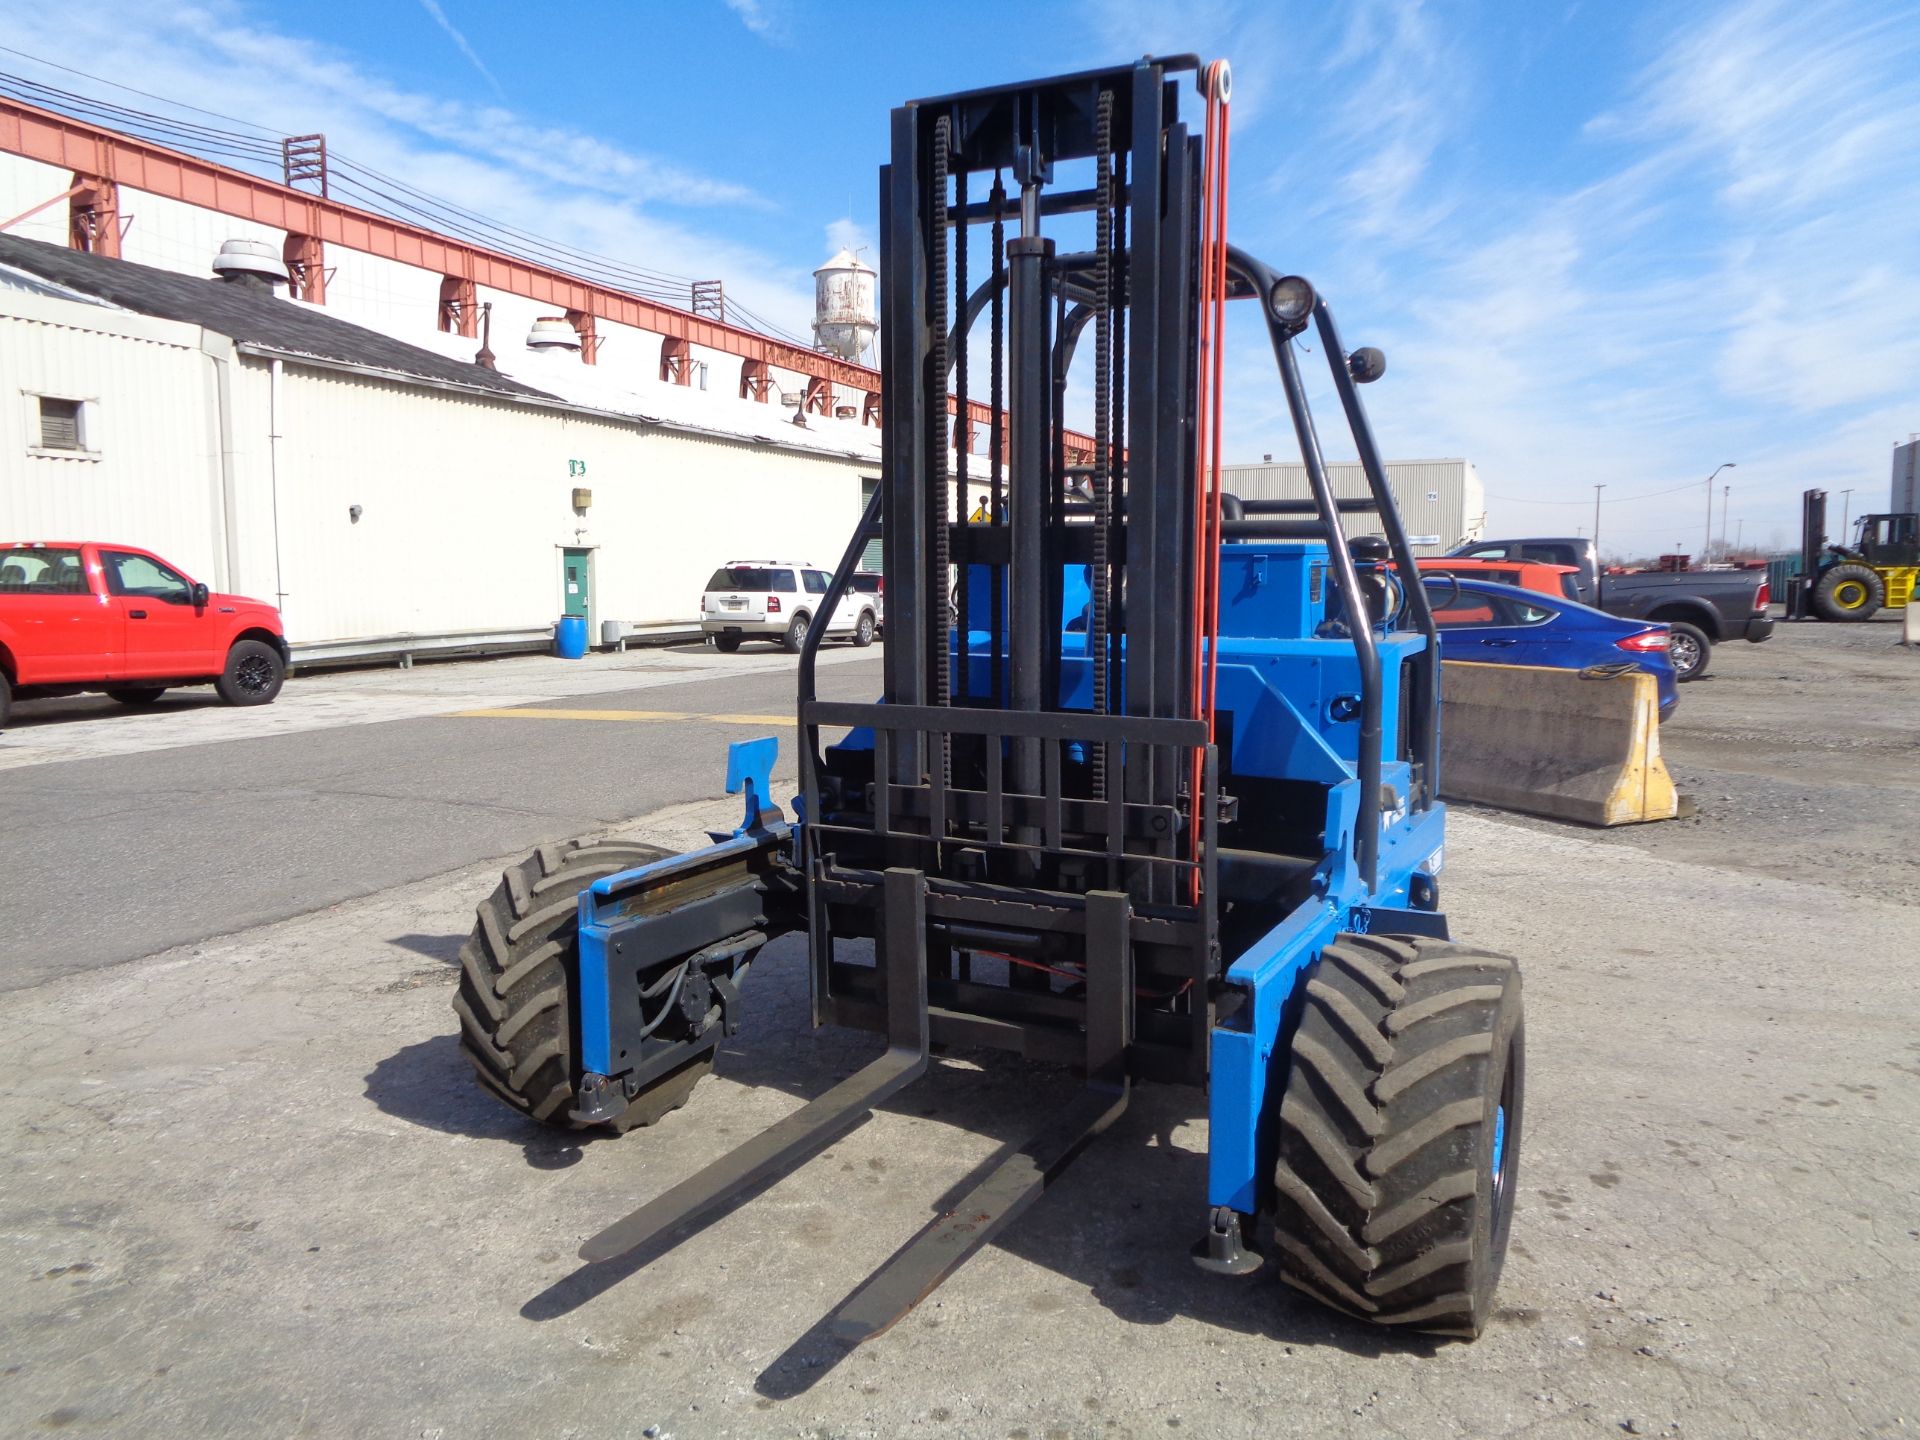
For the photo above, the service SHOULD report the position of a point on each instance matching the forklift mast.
(1043, 748)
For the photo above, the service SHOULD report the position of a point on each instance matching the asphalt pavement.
(114, 851)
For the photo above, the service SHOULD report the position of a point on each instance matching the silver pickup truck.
(1701, 606)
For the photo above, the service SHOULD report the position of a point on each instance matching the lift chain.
(1102, 404)
(938, 279)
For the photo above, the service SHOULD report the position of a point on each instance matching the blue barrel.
(570, 637)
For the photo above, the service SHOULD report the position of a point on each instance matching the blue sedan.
(1505, 625)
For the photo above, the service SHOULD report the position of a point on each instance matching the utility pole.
(1706, 542)
(1596, 523)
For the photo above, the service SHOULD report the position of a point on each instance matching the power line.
(377, 191)
(102, 80)
(182, 132)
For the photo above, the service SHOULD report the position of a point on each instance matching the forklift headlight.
(1290, 300)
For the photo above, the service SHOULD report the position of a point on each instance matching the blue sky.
(1601, 243)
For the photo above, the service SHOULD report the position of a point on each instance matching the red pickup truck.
(79, 616)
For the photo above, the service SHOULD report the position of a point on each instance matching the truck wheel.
(796, 635)
(1689, 649)
(139, 698)
(6, 700)
(515, 1002)
(1849, 592)
(863, 632)
(1400, 1132)
(254, 674)
(726, 644)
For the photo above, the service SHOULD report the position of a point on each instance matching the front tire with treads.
(518, 1028)
(1399, 1132)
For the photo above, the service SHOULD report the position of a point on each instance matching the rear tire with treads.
(1399, 1132)
(515, 1001)
(1849, 592)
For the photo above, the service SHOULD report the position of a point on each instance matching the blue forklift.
(1151, 790)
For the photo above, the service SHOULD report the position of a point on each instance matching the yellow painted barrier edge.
(1627, 783)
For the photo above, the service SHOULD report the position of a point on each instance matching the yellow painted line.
(747, 719)
(530, 713)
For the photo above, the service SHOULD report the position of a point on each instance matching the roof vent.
(250, 262)
(552, 332)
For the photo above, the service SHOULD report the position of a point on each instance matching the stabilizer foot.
(1222, 1251)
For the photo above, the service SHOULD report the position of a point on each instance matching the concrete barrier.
(1910, 624)
(1554, 743)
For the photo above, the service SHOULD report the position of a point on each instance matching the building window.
(60, 424)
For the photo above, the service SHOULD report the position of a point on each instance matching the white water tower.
(844, 318)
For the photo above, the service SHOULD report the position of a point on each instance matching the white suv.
(776, 600)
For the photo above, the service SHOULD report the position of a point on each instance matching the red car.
(78, 616)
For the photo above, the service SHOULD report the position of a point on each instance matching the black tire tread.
(1378, 1174)
(516, 1026)
(1866, 575)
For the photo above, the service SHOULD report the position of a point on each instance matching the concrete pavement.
(249, 1188)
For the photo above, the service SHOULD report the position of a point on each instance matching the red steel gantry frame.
(102, 160)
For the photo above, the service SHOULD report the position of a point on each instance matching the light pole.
(1596, 523)
(1726, 500)
(1846, 506)
(1706, 542)
(1740, 535)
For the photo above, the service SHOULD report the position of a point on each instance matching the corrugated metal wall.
(150, 473)
(466, 504)
(1439, 499)
(1905, 498)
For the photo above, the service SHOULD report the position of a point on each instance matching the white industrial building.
(390, 498)
(1441, 502)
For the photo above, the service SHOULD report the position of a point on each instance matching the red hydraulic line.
(1209, 416)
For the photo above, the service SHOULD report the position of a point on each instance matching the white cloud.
(764, 18)
(519, 170)
(1736, 277)
(432, 7)
(846, 233)
(1410, 93)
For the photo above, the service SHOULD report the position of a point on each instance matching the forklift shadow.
(1117, 1222)
(1130, 1254)
(430, 1084)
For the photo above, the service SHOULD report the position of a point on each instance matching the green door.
(574, 566)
